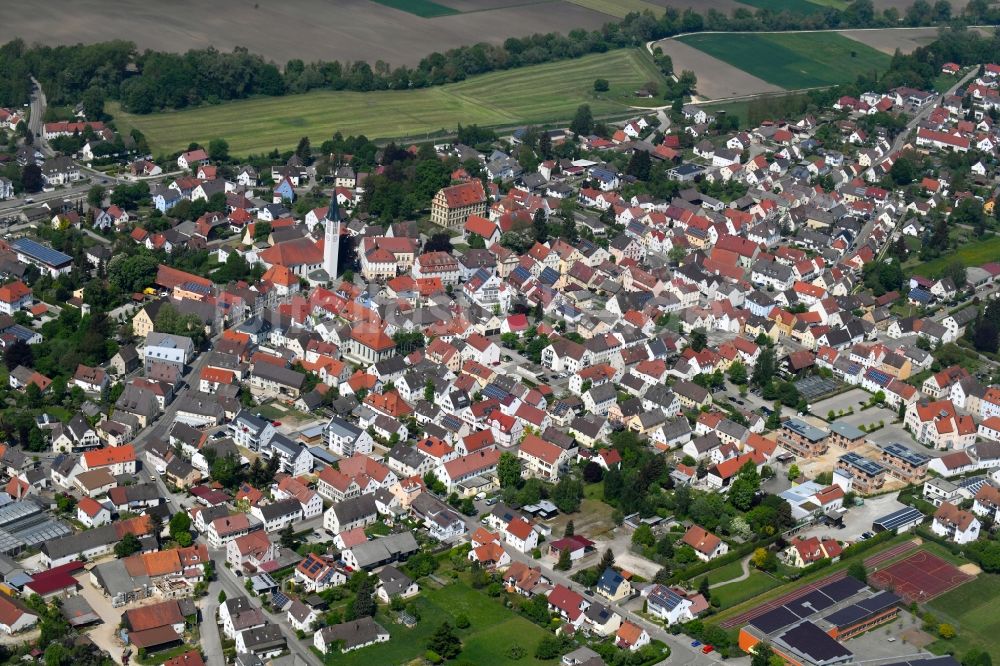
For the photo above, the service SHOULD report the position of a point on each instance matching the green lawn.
(794, 60)
(971, 254)
(493, 629)
(736, 593)
(725, 572)
(972, 609)
(421, 8)
(537, 94)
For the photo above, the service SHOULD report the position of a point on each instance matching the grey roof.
(355, 508)
(353, 634)
(279, 374)
(263, 638)
(280, 509)
(393, 580)
(384, 549)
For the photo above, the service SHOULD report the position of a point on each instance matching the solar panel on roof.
(278, 600)
(773, 620)
(810, 640)
(842, 589)
(40, 252)
(899, 518)
(811, 603)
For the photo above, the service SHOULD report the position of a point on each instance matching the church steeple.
(331, 238)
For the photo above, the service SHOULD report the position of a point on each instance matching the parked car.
(707, 649)
(695, 643)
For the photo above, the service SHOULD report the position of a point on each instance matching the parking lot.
(854, 398)
(858, 519)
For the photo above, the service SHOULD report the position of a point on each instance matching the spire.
(333, 211)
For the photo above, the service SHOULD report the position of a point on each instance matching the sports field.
(920, 577)
(972, 610)
(793, 60)
(541, 93)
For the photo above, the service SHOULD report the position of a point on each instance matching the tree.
(794, 472)
(222, 596)
(583, 121)
(19, 353)
(440, 242)
(765, 368)
(567, 493)
(607, 561)
(95, 196)
(509, 470)
(976, 657)
(601, 85)
(564, 562)
(761, 654)
(956, 271)
(903, 171)
(639, 165)
(540, 226)
(218, 150)
(31, 178)
(643, 536)
(180, 523)
(444, 641)
(698, 339)
(364, 601)
(129, 545)
(570, 529)
(704, 588)
(592, 472)
(738, 373)
(857, 570)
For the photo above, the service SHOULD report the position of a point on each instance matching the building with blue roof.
(53, 262)
(612, 585)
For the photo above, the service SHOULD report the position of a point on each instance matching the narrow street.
(681, 651)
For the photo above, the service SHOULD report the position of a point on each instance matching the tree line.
(148, 81)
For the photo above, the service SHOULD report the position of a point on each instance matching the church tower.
(331, 239)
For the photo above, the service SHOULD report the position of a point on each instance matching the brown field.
(716, 79)
(887, 41)
(306, 29)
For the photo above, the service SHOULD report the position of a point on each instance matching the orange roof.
(372, 337)
(466, 194)
(218, 375)
(701, 539)
(14, 291)
(434, 447)
(520, 528)
(89, 506)
(110, 456)
(536, 447)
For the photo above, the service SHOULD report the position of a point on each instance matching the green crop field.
(537, 94)
(619, 8)
(972, 610)
(421, 8)
(790, 6)
(793, 60)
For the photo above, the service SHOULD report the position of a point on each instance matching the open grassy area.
(538, 94)
(793, 60)
(421, 8)
(971, 609)
(619, 8)
(736, 593)
(493, 629)
(971, 254)
(725, 572)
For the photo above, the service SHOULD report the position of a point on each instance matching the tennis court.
(920, 577)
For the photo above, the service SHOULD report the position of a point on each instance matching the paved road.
(211, 641)
(235, 588)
